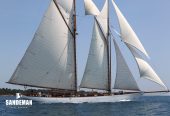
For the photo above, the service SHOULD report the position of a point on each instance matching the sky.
(19, 20)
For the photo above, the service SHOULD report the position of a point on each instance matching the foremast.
(75, 54)
(109, 52)
(74, 33)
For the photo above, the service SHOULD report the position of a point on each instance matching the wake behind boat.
(50, 61)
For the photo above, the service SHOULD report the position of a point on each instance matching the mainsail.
(145, 69)
(124, 78)
(127, 33)
(49, 60)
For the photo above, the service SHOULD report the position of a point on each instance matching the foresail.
(90, 8)
(124, 78)
(49, 59)
(145, 69)
(96, 71)
(127, 33)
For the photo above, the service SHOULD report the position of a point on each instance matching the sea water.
(145, 106)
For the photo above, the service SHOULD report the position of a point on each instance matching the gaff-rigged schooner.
(50, 60)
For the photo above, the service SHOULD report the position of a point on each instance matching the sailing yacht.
(50, 61)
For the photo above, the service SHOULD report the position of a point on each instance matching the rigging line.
(113, 35)
(115, 31)
(63, 18)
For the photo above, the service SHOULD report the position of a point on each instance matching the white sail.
(90, 8)
(145, 69)
(49, 60)
(67, 5)
(124, 78)
(96, 71)
(127, 33)
(102, 18)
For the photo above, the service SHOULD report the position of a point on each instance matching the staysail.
(127, 33)
(124, 78)
(90, 8)
(145, 69)
(49, 59)
(96, 71)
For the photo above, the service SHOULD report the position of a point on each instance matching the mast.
(75, 59)
(98, 63)
(109, 52)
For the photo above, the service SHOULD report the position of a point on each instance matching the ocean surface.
(146, 106)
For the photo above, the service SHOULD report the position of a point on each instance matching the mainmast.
(109, 52)
(75, 59)
(97, 73)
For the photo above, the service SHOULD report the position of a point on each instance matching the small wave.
(125, 100)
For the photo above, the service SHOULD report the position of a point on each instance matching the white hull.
(96, 99)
